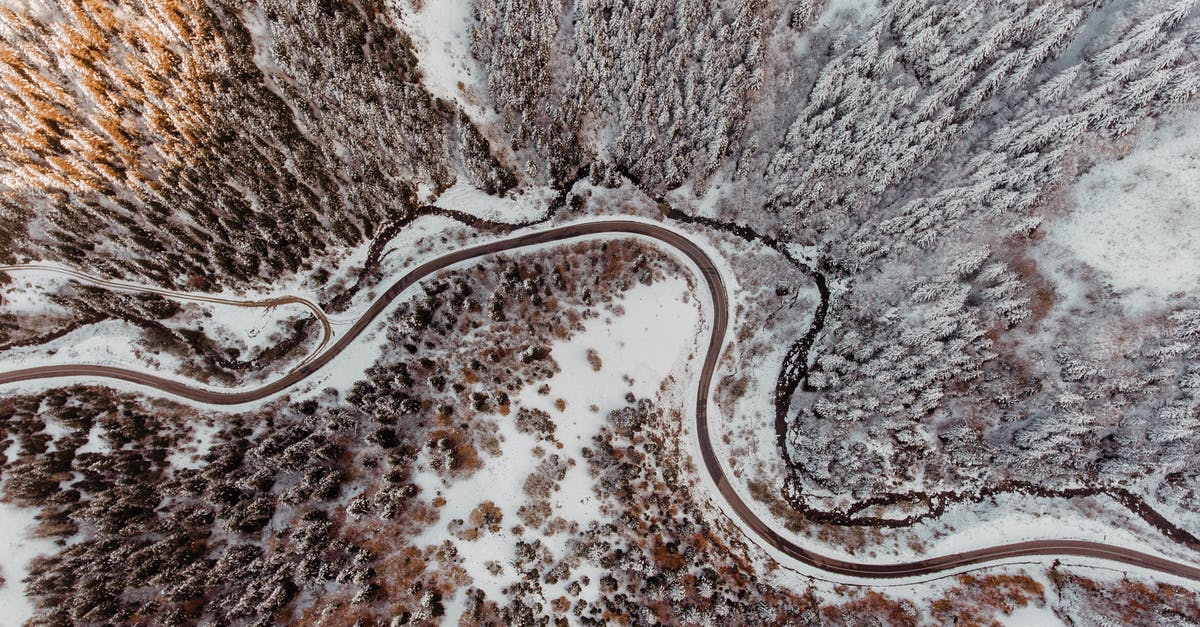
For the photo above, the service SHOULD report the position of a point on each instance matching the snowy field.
(19, 545)
(441, 30)
(1136, 219)
(514, 208)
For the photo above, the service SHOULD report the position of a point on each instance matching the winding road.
(720, 301)
(122, 286)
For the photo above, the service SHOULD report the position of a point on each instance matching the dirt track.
(121, 286)
(720, 300)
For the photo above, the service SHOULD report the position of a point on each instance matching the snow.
(441, 32)
(1032, 615)
(967, 527)
(652, 339)
(113, 343)
(1007, 518)
(425, 238)
(188, 454)
(105, 343)
(108, 343)
(1160, 173)
(839, 12)
(1137, 218)
(1018, 517)
(19, 547)
(95, 442)
(640, 344)
(56, 431)
(525, 206)
(252, 329)
(27, 294)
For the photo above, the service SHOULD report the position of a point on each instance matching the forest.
(889, 181)
(914, 152)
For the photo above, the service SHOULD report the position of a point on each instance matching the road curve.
(317, 312)
(720, 300)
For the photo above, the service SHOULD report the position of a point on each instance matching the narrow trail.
(124, 286)
(720, 302)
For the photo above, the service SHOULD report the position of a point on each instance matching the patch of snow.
(1137, 219)
(1018, 517)
(528, 204)
(441, 33)
(838, 13)
(642, 344)
(1097, 26)
(19, 547)
(1032, 615)
(500, 482)
(95, 442)
(56, 431)
(425, 193)
(26, 294)
(251, 328)
(106, 343)
(1009, 519)
(188, 454)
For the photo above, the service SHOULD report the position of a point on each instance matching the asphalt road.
(720, 300)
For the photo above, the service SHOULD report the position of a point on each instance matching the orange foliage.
(978, 600)
(79, 110)
(666, 558)
(886, 610)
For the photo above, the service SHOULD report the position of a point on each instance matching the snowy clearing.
(441, 31)
(20, 547)
(528, 205)
(1137, 218)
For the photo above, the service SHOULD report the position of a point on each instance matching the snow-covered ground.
(441, 33)
(252, 329)
(655, 337)
(108, 343)
(19, 547)
(1136, 219)
(838, 12)
(1030, 615)
(118, 343)
(528, 205)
